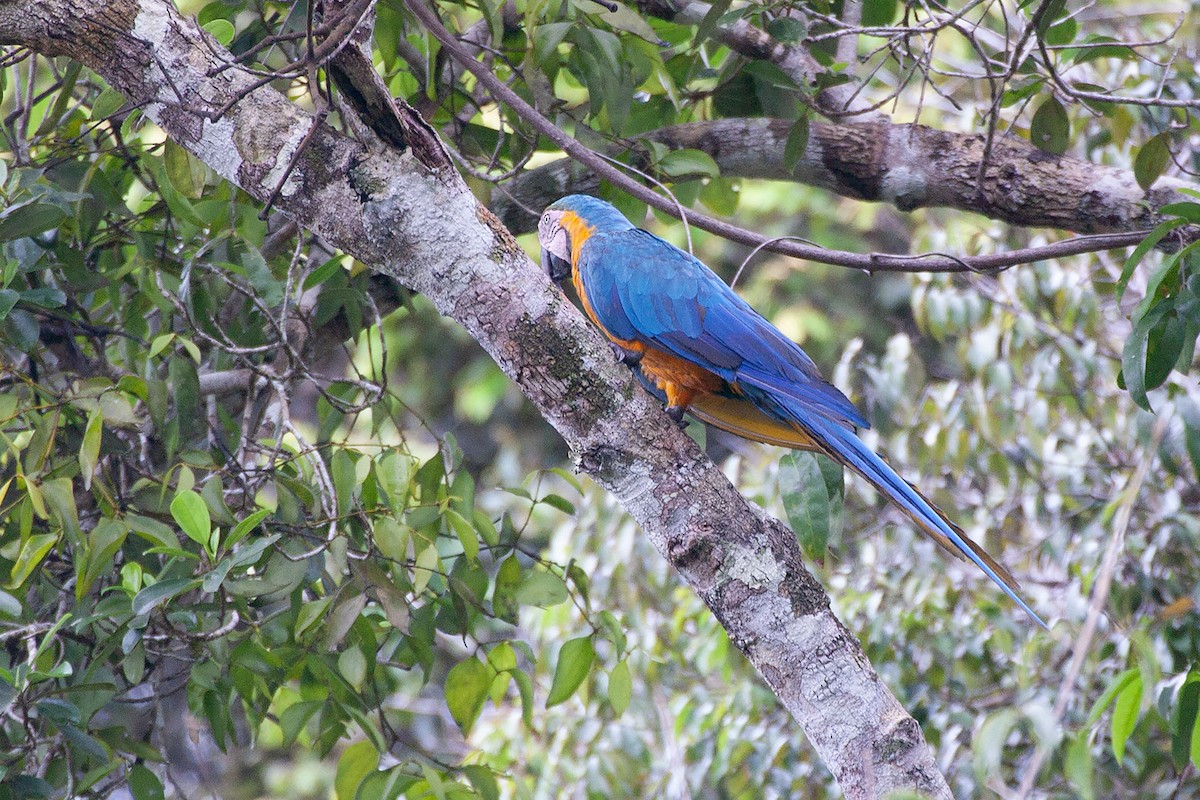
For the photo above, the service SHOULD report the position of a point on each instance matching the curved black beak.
(557, 268)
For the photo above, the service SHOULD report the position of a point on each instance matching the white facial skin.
(556, 245)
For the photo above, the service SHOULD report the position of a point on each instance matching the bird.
(702, 349)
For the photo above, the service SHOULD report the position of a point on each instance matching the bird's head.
(567, 223)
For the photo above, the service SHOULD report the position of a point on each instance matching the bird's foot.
(629, 358)
(676, 413)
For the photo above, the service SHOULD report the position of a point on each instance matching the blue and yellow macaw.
(706, 351)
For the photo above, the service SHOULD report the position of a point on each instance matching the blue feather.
(850, 450)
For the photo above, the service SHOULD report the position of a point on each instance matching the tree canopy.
(285, 504)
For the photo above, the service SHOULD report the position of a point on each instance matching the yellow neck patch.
(578, 230)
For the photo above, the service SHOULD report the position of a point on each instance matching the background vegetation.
(274, 523)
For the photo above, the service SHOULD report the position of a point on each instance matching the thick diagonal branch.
(424, 227)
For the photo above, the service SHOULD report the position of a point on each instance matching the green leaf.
(222, 30)
(89, 448)
(1134, 354)
(721, 196)
(1050, 129)
(1187, 210)
(295, 717)
(1125, 716)
(428, 562)
(683, 164)
(574, 663)
(620, 688)
(86, 744)
(465, 532)
(144, 784)
(504, 598)
(1184, 717)
(1063, 33)
(710, 21)
(543, 589)
(179, 205)
(59, 495)
(877, 13)
(547, 38)
(32, 551)
(191, 515)
(28, 219)
(1151, 160)
(345, 480)
(614, 631)
(466, 689)
(1145, 246)
(788, 30)
(9, 607)
(561, 503)
(310, 613)
(323, 273)
(525, 689)
(391, 538)
(358, 761)
(353, 666)
(1164, 345)
(387, 784)
(1196, 745)
(796, 145)
(104, 541)
(806, 502)
(8, 299)
(108, 103)
(394, 472)
(155, 594)
(213, 580)
(153, 531)
(989, 742)
(44, 297)
(483, 779)
(1078, 766)
(245, 526)
(185, 172)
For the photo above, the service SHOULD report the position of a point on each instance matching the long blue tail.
(845, 446)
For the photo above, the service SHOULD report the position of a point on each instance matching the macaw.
(704, 350)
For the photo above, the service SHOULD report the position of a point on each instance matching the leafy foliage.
(236, 494)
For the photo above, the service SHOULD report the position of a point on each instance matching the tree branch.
(909, 166)
(423, 227)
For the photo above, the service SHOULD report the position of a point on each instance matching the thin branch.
(869, 262)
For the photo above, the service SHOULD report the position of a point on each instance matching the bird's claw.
(629, 358)
(676, 413)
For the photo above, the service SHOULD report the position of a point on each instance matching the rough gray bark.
(423, 227)
(909, 166)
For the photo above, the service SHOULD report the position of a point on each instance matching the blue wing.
(643, 288)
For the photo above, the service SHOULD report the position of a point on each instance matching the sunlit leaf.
(467, 686)
(540, 588)
(156, 594)
(191, 515)
(1125, 715)
(620, 688)
(357, 762)
(574, 663)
